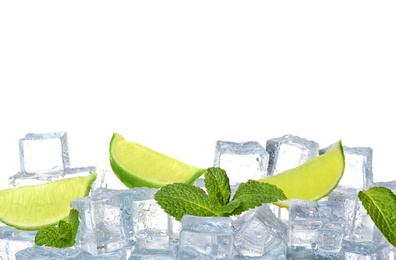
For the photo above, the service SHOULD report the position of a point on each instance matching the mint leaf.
(254, 193)
(179, 199)
(46, 235)
(226, 210)
(61, 236)
(380, 204)
(217, 186)
(73, 220)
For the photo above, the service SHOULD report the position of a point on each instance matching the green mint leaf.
(73, 220)
(179, 199)
(45, 234)
(217, 186)
(226, 210)
(254, 193)
(61, 236)
(380, 204)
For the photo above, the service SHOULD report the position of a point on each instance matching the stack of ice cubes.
(120, 223)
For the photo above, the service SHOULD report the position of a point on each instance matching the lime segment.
(312, 180)
(137, 165)
(32, 207)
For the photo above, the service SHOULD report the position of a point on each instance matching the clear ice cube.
(149, 222)
(315, 228)
(205, 238)
(288, 152)
(152, 254)
(104, 221)
(45, 154)
(241, 161)
(358, 172)
(366, 251)
(119, 254)
(259, 233)
(358, 225)
(20, 179)
(13, 240)
(43, 253)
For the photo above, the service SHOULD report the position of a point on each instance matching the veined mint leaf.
(217, 186)
(61, 236)
(254, 193)
(179, 199)
(46, 234)
(228, 209)
(380, 204)
(73, 220)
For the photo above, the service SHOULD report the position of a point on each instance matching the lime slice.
(32, 207)
(312, 180)
(138, 166)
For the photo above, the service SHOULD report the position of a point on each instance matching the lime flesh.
(33, 207)
(312, 180)
(139, 166)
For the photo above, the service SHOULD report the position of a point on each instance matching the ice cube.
(19, 179)
(44, 154)
(205, 238)
(43, 252)
(119, 254)
(13, 240)
(315, 228)
(104, 221)
(149, 222)
(358, 172)
(366, 250)
(259, 233)
(241, 161)
(288, 152)
(152, 254)
(358, 225)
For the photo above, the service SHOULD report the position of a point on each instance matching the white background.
(178, 75)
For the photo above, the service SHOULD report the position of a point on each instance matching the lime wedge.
(138, 166)
(312, 180)
(33, 207)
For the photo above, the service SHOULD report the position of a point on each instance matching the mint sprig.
(179, 199)
(380, 204)
(64, 235)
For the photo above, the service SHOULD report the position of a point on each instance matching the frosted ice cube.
(366, 250)
(241, 161)
(13, 240)
(44, 154)
(109, 180)
(43, 252)
(358, 172)
(104, 221)
(152, 254)
(315, 228)
(288, 152)
(205, 238)
(358, 226)
(280, 213)
(119, 254)
(19, 179)
(149, 221)
(261, 234)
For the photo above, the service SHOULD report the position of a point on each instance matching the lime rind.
(43, 223)
(132, 179)
(301, 184)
